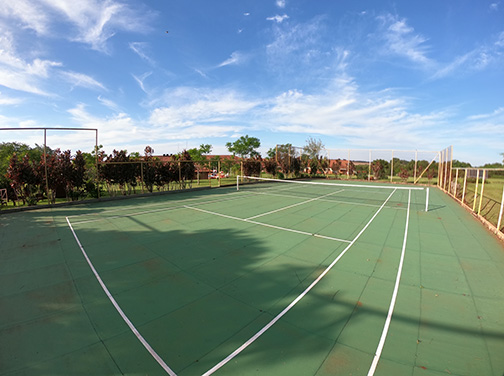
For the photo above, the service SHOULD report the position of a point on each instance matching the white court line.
(379, 349)
(267, 225)
(331, 201)
(291, 206)
(147, 205)
(294, 302)
(119, 310)
(153, 210)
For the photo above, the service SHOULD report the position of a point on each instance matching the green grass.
(491, 201)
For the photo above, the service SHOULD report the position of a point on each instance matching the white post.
(238, 182)
(427, 200)
(500, 213)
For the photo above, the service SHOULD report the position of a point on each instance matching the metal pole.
(238, 183)
(465, 185)
(415, 170)
(476, 190)
(369, 169)
(482, 192)
(427, 200)
(348, 165)
(455, 185)
(45, 166)
(451, 161)
(392, 167)
(500, 212)
(96, 161)
(142, 176)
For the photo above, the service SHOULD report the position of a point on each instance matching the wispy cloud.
(195, 107)
(17, 73)
(235, 59)
(280, 3)
(82, 80)
(142, 49)
(297, 44)
(277, 18)
(30, 14)
(94, 22)
(402, 40)
(109, 103)
(482, 57)
(140, 80)
(9, 101)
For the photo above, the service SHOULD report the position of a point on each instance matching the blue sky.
(177, 74)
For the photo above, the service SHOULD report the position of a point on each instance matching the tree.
(380, 167)
(313, 147)
(149, 169)
(311, 153)
(244, 147)
(197, 153)
(270, 166)
(336, 166)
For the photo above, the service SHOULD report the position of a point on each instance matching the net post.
(427, 199)
(237, 182)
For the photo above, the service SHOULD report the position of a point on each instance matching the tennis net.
(344, 193)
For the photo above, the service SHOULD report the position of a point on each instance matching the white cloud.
(341, 110)
(94, 21)
(205, 108)
(402, 40)
(235, 59)
(280, 3)
(108, 103)
(494, 6)
(82, 80)
(29, 13)
(484, 56)
(9, 101)
(141, 49)
(140, 80)
(277, 18)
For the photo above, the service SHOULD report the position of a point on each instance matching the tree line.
(30, 176)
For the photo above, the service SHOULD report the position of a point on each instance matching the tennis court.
(271, 279)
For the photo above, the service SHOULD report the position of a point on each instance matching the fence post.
(482, 192)
(142, 176)
(392, 167)
(464, 188)
(369, 169)
(348, 165)
(500, 212)
(456, 182)
(476, 190)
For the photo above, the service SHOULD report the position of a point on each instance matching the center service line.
(379, 349)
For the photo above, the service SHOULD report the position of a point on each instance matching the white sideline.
(119, 310)
(383, 337)
(153, 210)
(294, 302)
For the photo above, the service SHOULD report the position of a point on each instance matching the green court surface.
(280, 280)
